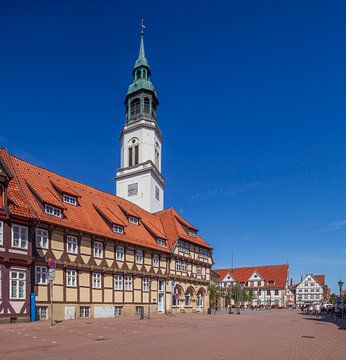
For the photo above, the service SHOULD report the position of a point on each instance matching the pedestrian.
(317, 310)
(338, 311)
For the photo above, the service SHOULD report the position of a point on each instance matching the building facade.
(113, 255)
(267, 284)
(311, 289)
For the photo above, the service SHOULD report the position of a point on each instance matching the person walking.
(338, 312)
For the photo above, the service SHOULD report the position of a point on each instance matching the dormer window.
(118, 229)
(133, 220)
(271, 282)
(161, 242)
(69, 199)
(52, 210)
(192, 233)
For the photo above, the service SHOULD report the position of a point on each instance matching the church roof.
(276, 273)
(32, 187)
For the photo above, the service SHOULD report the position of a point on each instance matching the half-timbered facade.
(112, 257)
(268, 284)
(15, 246)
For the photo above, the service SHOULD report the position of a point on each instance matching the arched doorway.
(178, 297)
(200, 299)
(190, 298)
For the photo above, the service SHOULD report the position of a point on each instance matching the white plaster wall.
(146, 191)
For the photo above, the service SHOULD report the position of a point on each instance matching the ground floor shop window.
(118, 310)
(42, 312)
(84, 311)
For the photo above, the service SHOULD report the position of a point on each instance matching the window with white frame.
(203, 252)
(128, 283)
(180, 265)
(192, 233)
(72, 244)
(97, 280)
(184, 246)
(19, 236)
(1, 233)
(98, 249)
(139, 257)
(118, 310)
(146, 284)
(118, 229)
(69, 199)
(156, 260)
(119, 253)
(41, 275)
(42, 238)
(199, 270)
(17, 285)
(133, 220)
(84, 312)
(118, 282)
(42, 312)
(71, 278)
(52, 210)
(161, 242)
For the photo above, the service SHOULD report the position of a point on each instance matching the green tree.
(214, 295)
(332, 298)
(250, 295)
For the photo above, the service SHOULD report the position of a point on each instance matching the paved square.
(280, 334)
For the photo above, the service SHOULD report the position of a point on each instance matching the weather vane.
(142, 27)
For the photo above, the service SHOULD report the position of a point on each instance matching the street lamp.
(149, 298)
(341, 284)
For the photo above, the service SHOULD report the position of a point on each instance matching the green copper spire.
(141, 70)
(142, 60)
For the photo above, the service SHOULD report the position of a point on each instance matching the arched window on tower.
(138, 74)
(135, 106)
(133, 152)
(157, 155)
(147, 105)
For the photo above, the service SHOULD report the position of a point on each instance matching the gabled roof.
(276, 273)
(176, 228)
(32, 186)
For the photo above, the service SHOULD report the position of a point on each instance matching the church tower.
(139, 178)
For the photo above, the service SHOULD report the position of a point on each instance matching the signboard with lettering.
(103, 311)
(51, 275)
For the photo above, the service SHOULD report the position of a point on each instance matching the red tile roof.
(276, 273)
(320, 278)
(32, 186)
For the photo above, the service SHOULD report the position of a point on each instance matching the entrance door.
(161, 297)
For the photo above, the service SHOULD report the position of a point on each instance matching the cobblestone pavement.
(277, 334)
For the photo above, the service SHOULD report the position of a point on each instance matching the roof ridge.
(250, 267)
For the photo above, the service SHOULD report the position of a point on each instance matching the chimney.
(301, 278)
(291, 282)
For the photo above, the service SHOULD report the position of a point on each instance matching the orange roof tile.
(320, 278)
(33, 186)
(276, 273)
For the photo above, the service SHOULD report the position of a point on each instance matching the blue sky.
(252, 108)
